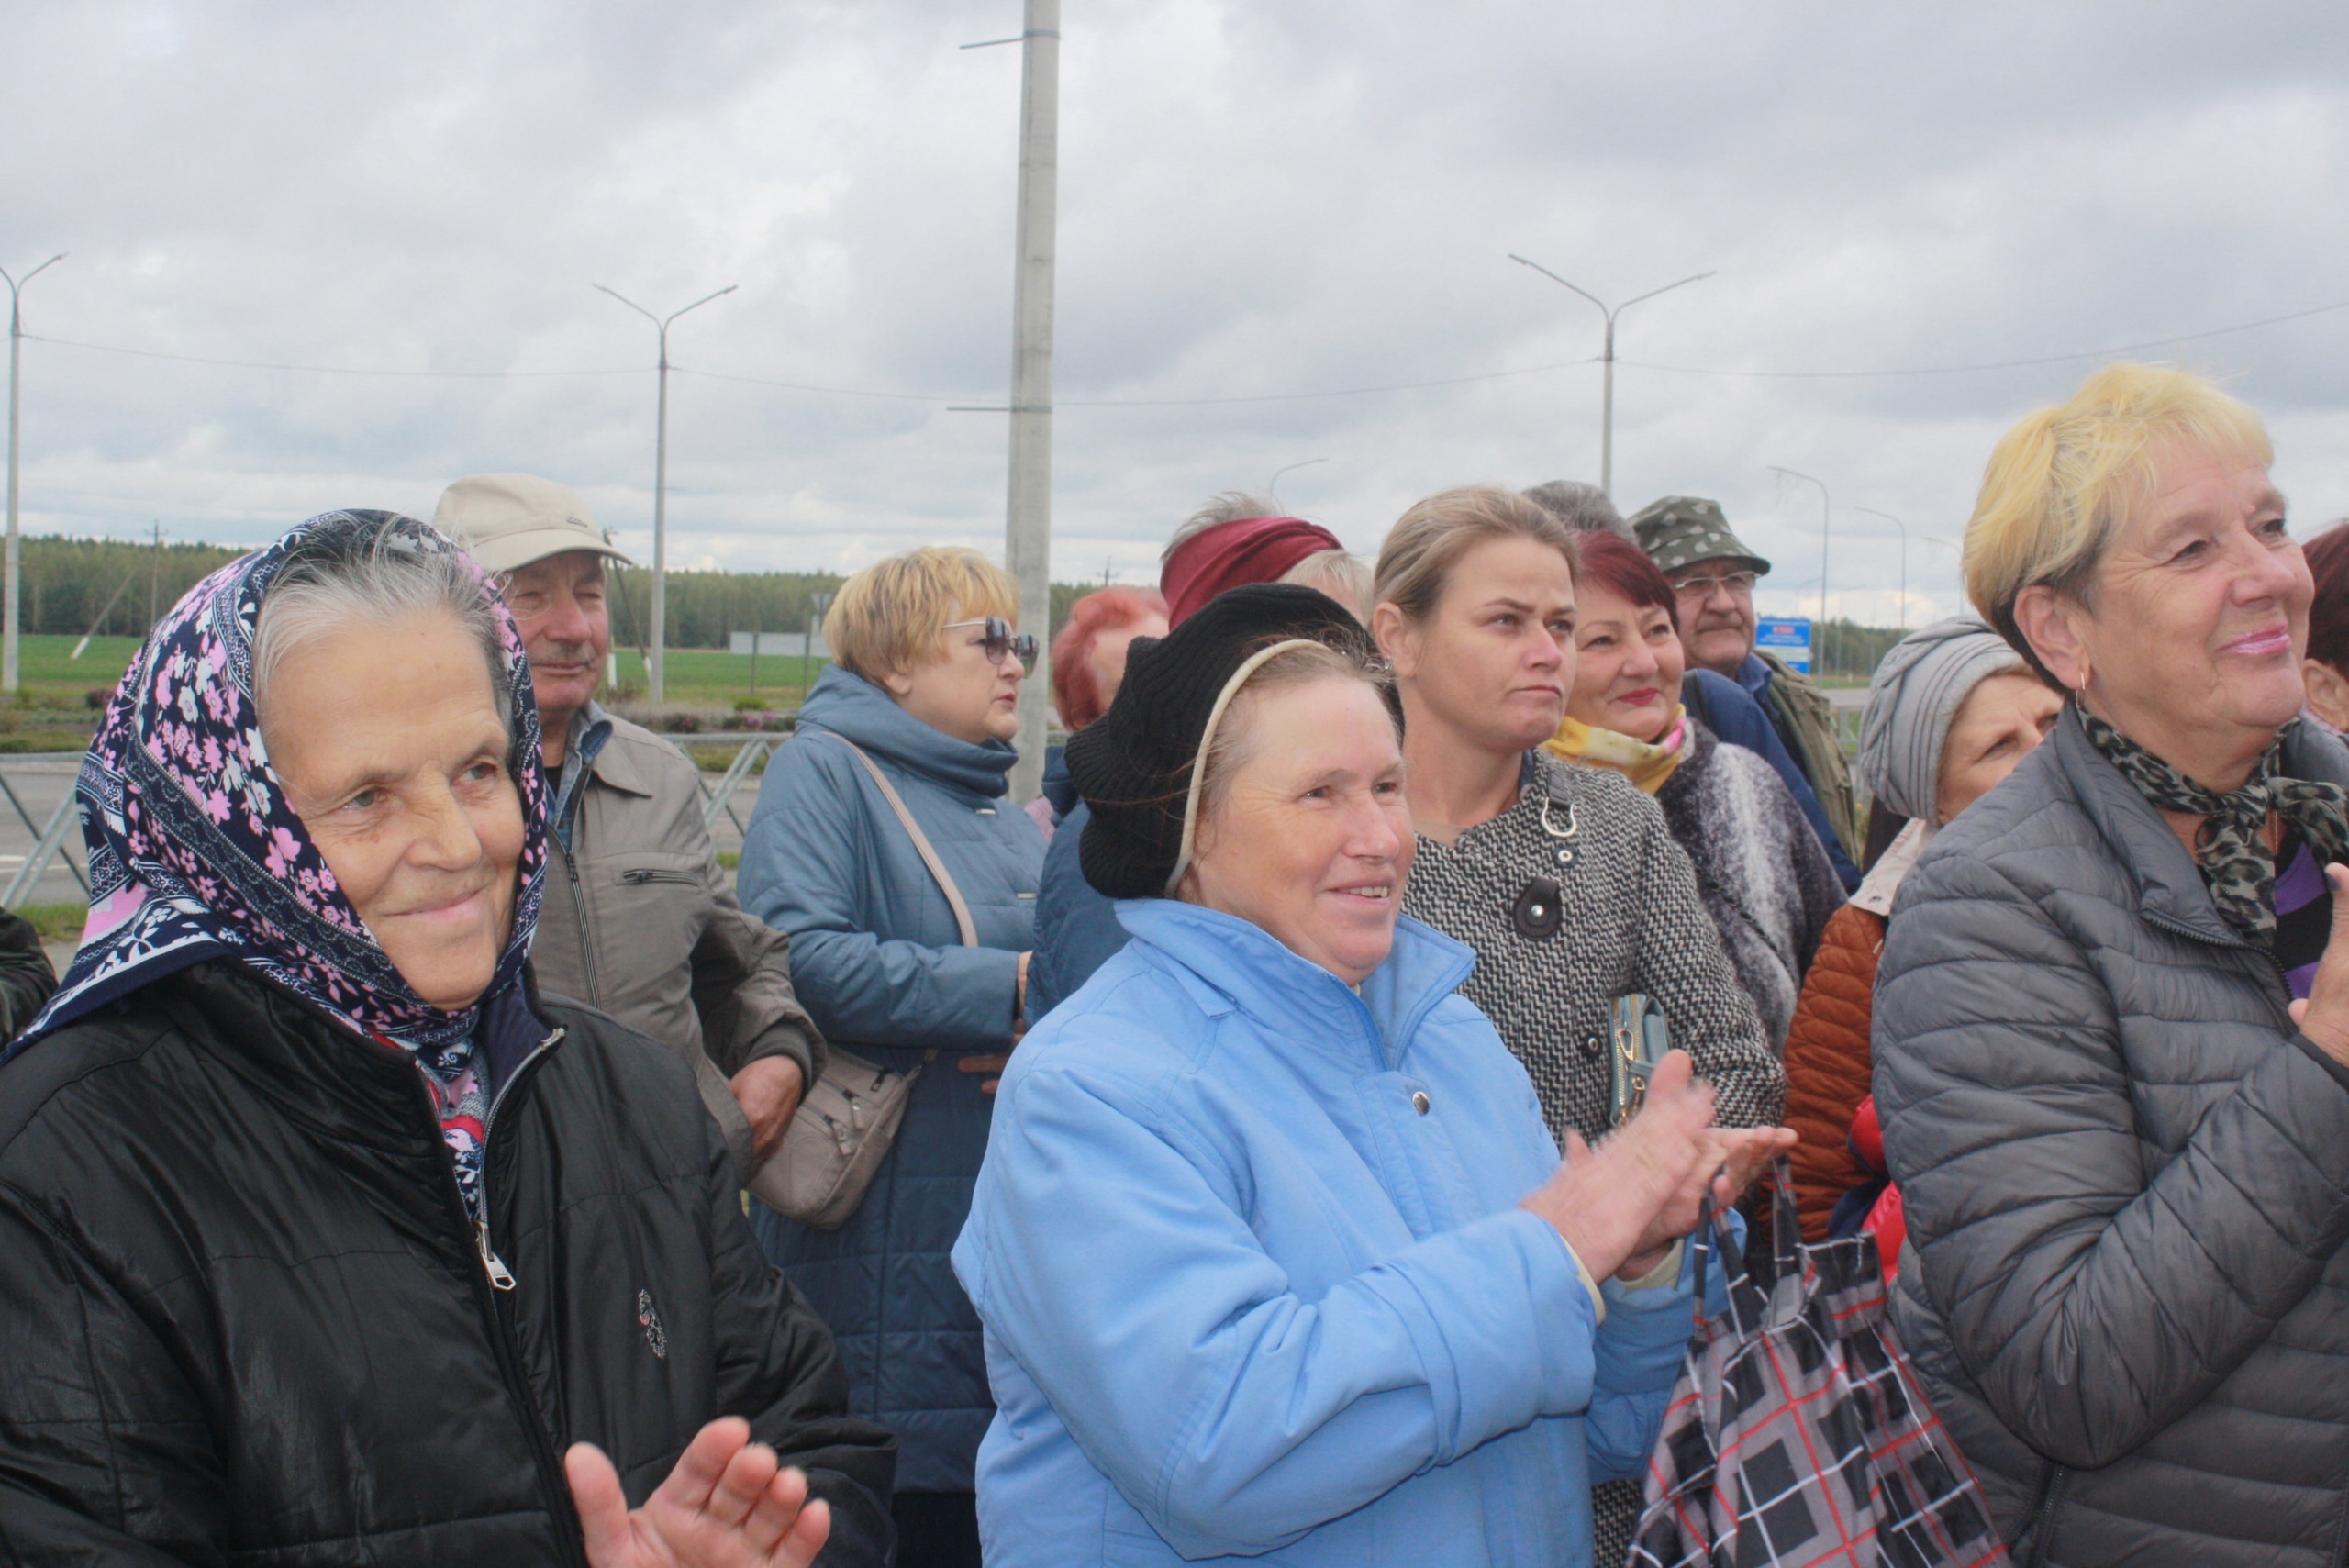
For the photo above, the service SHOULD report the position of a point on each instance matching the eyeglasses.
(999, 640)
(1738, 583)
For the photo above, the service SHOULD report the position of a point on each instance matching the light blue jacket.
(1255, 1283)
(877, 962)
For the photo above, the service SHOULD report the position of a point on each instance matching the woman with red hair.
(2326, 668)
(1090, 654)
(1761, 872)
(1088, 661)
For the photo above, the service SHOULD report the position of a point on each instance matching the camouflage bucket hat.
(1681, 530)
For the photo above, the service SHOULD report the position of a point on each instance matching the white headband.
(1254, 663)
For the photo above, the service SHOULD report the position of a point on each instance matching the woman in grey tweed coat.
(1566, 880)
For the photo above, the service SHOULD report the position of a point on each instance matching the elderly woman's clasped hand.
(729, 1503)
(1622, 1206)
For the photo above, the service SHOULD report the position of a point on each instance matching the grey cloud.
(1256, 199)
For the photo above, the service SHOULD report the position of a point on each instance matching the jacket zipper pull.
(500, 1276)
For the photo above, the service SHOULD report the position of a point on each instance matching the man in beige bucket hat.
(637, 917)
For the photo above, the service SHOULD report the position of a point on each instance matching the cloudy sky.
(1258, 201)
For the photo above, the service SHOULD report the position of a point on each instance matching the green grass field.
(698, 677)
(711, 677)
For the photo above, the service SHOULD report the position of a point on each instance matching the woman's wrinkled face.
(2002, 720)
(1628, 665)
(402, 783)
(1493, 660)
(2190, 642)
(963, 691)
(1309, 837)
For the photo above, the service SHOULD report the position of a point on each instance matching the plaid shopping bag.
(1797, 1435)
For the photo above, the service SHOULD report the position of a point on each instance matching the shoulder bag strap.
(921, 844)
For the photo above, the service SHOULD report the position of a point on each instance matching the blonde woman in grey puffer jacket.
(2112, 1025)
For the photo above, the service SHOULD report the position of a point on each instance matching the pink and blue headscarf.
(194, 853)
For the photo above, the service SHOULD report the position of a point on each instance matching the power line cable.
(1997, 364)
(325, 370)
(1213, 401)
(1149, 402)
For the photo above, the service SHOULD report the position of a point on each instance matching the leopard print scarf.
(2231, 850)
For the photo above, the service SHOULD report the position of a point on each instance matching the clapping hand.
(1622, 1205)
(727, 1503)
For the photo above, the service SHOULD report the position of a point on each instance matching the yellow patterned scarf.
(1646, 762)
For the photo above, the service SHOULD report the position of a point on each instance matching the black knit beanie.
(1133, 764)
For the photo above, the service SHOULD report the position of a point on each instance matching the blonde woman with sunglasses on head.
(926, 673)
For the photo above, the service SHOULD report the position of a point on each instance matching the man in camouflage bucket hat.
(1712, 573)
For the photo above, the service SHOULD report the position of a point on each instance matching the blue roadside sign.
(1788, 637)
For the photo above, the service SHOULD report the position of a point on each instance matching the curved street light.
(654, 687)
(1273, 485)
(1607, 359)
(11, 624)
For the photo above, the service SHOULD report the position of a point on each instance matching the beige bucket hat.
(505, 521)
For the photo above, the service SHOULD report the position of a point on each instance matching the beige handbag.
(849, 1116)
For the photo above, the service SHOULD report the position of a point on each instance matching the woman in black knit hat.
(1272, 1249)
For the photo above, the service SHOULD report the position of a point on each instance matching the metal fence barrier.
(49, 838)
(720, 796)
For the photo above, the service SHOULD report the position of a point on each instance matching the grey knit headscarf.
(1913, 700)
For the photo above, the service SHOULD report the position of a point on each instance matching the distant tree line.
(116, 587)
(73, 585)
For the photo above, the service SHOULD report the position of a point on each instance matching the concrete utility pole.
(1818, 640)
(1897, 523)
(12, 624)
(1028, 530)
(654, 690)
(1607, 360)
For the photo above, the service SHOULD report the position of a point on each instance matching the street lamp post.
(655, 690)
(1897, 523)
(1826, 511)
(1607, 360)
(11, 623)
(1272, 487)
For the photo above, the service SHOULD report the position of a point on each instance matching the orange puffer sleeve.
(1828, 1063)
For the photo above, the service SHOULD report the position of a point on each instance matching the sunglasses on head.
(998, 639)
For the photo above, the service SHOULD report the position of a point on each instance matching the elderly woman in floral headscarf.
(326, 1234)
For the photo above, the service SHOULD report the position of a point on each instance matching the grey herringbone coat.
(1625, 916)
(2127, 1184)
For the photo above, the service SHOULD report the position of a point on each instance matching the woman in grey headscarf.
(1951, 711)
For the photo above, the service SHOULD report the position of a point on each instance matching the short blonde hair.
(2059, 482)
(1426, 543)
(887, 618)
(1340, 574)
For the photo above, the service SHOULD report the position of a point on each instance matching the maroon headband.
(1229, 555)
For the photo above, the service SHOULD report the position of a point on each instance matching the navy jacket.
(1731, 713)
(878, 964)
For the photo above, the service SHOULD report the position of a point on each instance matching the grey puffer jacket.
(2127, 1183)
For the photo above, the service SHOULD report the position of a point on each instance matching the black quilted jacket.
(2127, 1184)
(245, 1320)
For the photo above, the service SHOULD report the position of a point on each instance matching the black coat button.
(1536, 913)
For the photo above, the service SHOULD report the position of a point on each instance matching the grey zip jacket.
(638, 921)
(2127, 1184)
